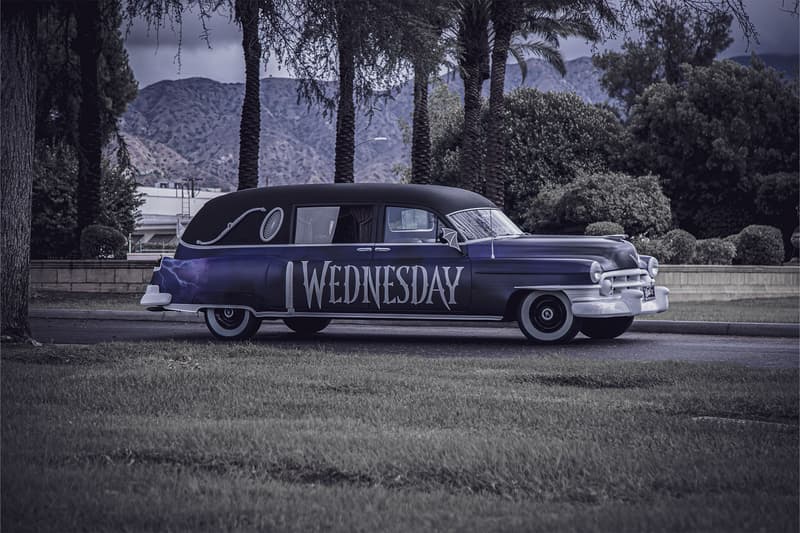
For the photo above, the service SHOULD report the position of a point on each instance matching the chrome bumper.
(153, 297)
(628, 303)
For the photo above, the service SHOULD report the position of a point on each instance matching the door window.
(409, 224)
(334, 225)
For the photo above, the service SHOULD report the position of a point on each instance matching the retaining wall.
(91, 276)
(686, 282)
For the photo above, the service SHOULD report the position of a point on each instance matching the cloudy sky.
(153, 57)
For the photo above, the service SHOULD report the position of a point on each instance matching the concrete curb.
(735, 329)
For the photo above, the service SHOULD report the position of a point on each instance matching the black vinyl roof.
(218, 212)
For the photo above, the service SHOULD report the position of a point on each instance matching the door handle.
(382, 249)
(367, 249)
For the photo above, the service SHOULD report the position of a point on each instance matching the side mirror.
(449, 237)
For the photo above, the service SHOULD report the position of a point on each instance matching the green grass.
(209, 437)
(776, 310)
(786, 310)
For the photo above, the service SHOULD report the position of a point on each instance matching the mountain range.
(177, 130)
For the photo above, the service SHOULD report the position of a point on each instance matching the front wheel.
(606, 328)
(231, 324)
(306, 325)
(546, 318)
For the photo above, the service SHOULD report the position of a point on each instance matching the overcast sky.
(153, 58)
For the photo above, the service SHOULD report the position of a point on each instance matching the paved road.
(444, 341)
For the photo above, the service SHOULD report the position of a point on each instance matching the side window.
(334, 225)
(409, 224)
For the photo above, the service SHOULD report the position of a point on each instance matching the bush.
(652, 247)
(713, 252)
(604, 228)
(102, 242)
(681, 246)
(760, 245)
(636, 203)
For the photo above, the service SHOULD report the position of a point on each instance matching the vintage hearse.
(307, 254)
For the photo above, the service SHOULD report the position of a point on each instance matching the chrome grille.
(628, 279)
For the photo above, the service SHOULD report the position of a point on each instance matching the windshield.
(483, 223)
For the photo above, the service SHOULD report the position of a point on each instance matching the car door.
(330, 258)
(416, 272)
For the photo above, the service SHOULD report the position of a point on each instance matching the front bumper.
(153, 297)
(627, 303)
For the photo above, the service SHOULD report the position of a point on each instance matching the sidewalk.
(737, 329)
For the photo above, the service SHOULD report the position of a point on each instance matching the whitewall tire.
(546, 317)
(232, 324)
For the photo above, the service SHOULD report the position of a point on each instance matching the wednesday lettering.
(347, 284)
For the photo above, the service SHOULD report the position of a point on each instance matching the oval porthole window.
(271, 225)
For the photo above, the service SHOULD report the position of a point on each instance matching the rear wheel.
(231, 324)
(606, 328)
(307, 325)
(546, 318)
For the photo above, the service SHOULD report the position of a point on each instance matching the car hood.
(612, 253)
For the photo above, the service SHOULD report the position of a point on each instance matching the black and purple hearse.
(307, 254)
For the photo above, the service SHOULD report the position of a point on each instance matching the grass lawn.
(762, 310)
(786, 310)
(210, 437)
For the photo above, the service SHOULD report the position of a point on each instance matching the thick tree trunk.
(88, 44)
(345, 114)
(495, 143)
(470, 162)
(475, 42)
(18, 95)
(250, 126)
(421, 130)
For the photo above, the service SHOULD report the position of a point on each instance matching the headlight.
(652, 267)
(595, 272)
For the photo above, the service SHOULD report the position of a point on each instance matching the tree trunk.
(88, 44)
(18, 75)
(495, 142)
(470, 162)
(345, 112)
(421, 132)
(475, 42)
(250, 126)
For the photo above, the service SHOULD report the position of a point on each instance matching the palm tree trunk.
(345, 112)
(250, 125)
(421, 131)
(18, 95)
(495, 143)
(89, 46)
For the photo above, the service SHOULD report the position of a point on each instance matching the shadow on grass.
(590, 381)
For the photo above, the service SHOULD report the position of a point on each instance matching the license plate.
(649, 293)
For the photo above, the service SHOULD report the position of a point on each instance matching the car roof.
(437, 197)
(216, 213)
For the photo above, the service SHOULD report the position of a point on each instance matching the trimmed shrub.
(604, 228)
(635, 202)
(713, 252)
(760, 245)
(652, 247)
(681, 246)
(102, 242)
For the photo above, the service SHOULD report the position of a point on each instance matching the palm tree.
(549, 21)
(472, 31)
(247, 15)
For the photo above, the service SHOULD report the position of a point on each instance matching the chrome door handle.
(382, 249)
(363, 249)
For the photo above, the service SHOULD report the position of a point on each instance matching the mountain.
(189, 128)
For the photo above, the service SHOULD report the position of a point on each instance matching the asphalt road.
(443, 341)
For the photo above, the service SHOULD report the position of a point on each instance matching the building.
(167, 208)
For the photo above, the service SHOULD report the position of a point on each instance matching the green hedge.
(102, 242)
(713, 252)
(760, 245)
(604, 228)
